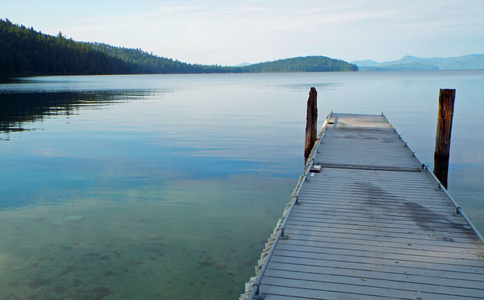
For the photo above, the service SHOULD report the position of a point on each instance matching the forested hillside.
(23, 51)
(302, 64)
(143, 62)
(26, 52)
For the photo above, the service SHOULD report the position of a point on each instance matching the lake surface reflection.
(167, 186)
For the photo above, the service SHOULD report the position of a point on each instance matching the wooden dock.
(374, 223)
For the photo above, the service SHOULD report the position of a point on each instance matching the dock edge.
(279, 228)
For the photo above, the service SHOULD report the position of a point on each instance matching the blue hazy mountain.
(409, 63)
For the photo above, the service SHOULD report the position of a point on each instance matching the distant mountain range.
(412, 63)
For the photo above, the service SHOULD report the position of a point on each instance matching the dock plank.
(373, 224)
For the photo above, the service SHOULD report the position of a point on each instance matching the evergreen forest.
(302, 64)
(26, 52)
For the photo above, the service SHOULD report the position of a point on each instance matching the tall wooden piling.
(311, 122)
(442, 138)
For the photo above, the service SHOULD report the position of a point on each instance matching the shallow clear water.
(167, 186)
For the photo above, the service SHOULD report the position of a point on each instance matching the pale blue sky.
(231, 32)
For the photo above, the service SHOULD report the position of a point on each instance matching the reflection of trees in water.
(16, 109)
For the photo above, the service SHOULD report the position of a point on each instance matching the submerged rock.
(73, 218)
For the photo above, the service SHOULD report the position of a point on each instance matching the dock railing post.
(311, 123)
(442, 138)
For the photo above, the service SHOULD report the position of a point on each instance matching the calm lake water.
(167, 186)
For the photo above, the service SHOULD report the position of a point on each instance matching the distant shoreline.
(16, 79)
(26, 52)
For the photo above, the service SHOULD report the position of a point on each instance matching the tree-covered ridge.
(302, 64)
(26, 52)
(143, 62)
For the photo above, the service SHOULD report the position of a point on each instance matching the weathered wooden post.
(442, 138)
(311, 122)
